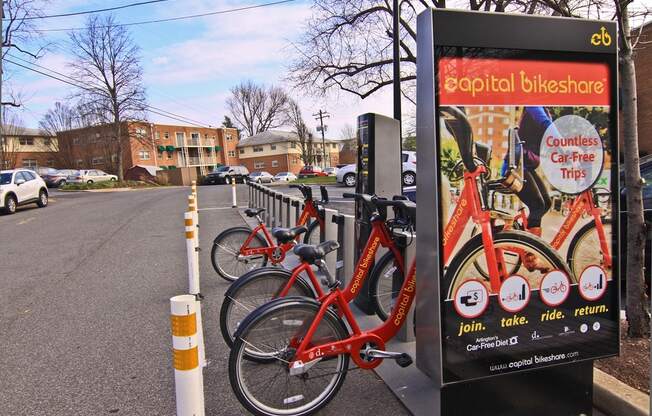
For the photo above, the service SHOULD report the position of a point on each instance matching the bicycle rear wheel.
(251, 291)
(513, 244)
(225, 254)
(585, 249)
(269, 389)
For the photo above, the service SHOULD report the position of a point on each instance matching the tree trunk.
(118, 130)
(636, 301)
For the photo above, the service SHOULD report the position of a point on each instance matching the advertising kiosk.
(516, 296)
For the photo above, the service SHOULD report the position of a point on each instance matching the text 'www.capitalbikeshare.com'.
(534, 360)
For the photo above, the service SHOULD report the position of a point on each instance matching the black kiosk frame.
(543, 365)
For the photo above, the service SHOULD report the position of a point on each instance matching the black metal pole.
(397, 60)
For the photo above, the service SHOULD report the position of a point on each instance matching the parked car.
(308, 171)
(43, 171)
(261, 177)
(347, 174)
(331, 171)
(20, 187)
(285, 177)
(90, 176)
(58, 178)
(224, 174)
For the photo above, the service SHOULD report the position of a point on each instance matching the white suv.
(20, 187)
(347, 174)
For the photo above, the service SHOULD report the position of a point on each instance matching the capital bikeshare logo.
(364, 265)
(488, 343)
(601, 38)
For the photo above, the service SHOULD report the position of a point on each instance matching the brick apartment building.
(277, 151)
(27, 148)
(643, 62)
(162, 145)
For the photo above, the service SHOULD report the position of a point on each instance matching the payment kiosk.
(379, 173)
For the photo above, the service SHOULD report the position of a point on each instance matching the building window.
(143, 154)
(97, 160)
(75, 140)
(29, 163)
(228, 138)
(334, 145)
(480, 131)
(141, 132)
(273, 147)
(157, 135)
(491, 119)
(293, 145)
(166, 135)
(50, 162)
(231, 153)
(259, 165)
(258, 149)
(160, 154)
(26, 141)
(169, 155)
(194, 136)
(242, 151)
(274, 163)
(80, 163)
(490, 130)
(47, 141)
(114, 158)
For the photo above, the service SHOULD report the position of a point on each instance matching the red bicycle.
(258, 287)
(240, 249)
(303, 345)
(493, 254)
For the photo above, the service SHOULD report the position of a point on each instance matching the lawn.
(317, 180)
(106, 185)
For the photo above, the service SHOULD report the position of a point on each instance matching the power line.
(108, 9)
(77, 84)
(70, 78)
(171, 19)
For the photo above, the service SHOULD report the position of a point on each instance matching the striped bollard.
(193, 190)
(193, 277)
(188, 379)
(192, 207)
(233, 195)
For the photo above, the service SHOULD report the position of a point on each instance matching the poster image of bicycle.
(526, 151)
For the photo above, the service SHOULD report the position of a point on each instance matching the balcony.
(195, 142)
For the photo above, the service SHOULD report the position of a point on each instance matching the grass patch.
(106, 185)
(317, 180)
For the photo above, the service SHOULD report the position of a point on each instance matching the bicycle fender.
(253, 274)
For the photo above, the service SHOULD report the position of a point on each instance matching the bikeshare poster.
(534, 286)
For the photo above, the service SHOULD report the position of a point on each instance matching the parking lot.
(84, 306)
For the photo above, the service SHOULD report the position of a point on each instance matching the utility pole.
(321, 115)
(396, 59)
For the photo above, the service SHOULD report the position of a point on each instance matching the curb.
(616, 398)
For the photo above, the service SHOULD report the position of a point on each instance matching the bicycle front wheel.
(313, 235)
(251, 291)
(269, 389)
(226, 257)
(513, 245)
(585, 248)
(382, 289)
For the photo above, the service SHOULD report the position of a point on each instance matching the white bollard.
(193, 278)
(192, 207)
(188, 378)
(233, 195)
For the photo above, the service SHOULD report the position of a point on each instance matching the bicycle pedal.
(404, 360)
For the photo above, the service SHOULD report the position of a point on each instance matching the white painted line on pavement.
(214, 208)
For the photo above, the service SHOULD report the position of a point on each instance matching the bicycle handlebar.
(306, 191)
(407, 208)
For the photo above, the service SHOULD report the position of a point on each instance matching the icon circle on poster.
(514, 293)
(554, 288)
(593, 283)
(471, 299)
(571, 154)
(584, 328)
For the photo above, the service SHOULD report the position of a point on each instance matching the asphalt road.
(84, 307)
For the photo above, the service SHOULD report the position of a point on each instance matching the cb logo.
(601, 38)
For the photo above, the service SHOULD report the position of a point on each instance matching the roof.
(151, 169)
(274, 136)
(12, 130)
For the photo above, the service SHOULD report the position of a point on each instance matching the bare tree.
(347, 132)
(636, 304)
(107, 65)
(18, 26)
(256, 108)
(299, 127)
(60, 118)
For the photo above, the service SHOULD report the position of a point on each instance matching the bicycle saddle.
(310, 254)
(285, 235)
(458, 125)
(252, 212)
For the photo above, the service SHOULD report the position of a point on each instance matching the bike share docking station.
(511, 109)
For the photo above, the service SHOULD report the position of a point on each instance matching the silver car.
(90, 176)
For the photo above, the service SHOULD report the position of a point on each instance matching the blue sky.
(190, 65)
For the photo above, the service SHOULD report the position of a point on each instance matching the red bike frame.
(582, 204)
(354, 344)
(276, 253)
(470, 206)
(379, 236)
